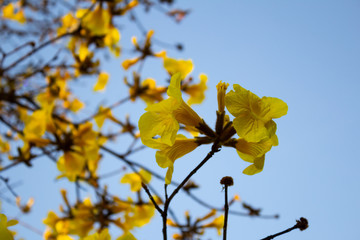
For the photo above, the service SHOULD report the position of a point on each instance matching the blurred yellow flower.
(135, 179)
(147, 90)
(184, 67)
(145, 51)
(101, 82)
(97, 21)
(103, 235)
(196, 91)
(10, 12)
(69, 24)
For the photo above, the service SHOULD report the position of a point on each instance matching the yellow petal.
(135, 179)
(253, 149)
(173, 66)
(102, 114)
(256, 167)
(241, 101)
(112, 37)
(174, 87)
(101, 82)
(277, 107)
(83, 52)
(163, 125)
(166, 157)
(252, 130)
(197, 91)
(9, 13)
(126, 236)
(129, 62)
(12, 222)
(74, 106)
(97, 22)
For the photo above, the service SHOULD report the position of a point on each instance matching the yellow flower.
(217, 223)
(101, 82)
(252, 114)
(129, 62)
(147, 91)
(84, 51)
(4, 224)
(83, 149)
(69, 24)
(36, 126)
(97, 21)
(173, 66)
(145, 51)
(71, 164)
(74, 105)
(111, 39)
(197, 91)
(4, 146)
(103, 235)
(103, 113)
(167, 155)
(9, 13)
(135, 179)
(160, 124)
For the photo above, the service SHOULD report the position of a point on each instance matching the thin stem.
(226, 212)
(301, 224)
(37, 49)
(6, 181)
(164, 215)
(215, 148)
(151, 198)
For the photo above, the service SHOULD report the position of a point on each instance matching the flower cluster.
(253, 124)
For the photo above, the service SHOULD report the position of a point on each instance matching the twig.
(226, 181)
(215, 148)
(37, 49)
(301, 224)
(151, 198)
(6, 181)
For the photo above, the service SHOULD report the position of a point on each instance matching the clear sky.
(306, 53)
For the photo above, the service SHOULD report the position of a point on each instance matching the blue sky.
(306, 53)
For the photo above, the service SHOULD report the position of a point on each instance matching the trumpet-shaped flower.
(160, 124)
(253, 114)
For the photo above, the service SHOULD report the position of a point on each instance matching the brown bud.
(302, 224)
(227, 181)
